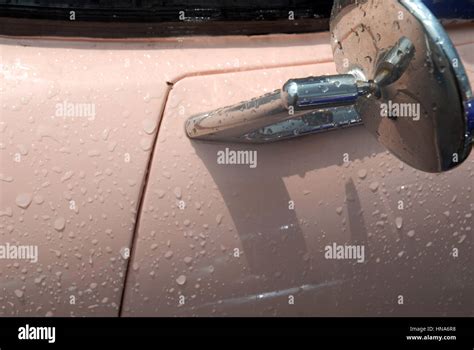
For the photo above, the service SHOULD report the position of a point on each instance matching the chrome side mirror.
(399, 74)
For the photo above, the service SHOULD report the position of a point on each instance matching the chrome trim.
(435, 138)
(434, 28)
(287, 111)
(310, 123)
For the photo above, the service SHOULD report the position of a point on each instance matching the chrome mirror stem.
(249, 121)
(297, 98)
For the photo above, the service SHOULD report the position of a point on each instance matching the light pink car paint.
(100, 164)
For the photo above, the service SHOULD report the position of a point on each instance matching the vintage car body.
(133, 218)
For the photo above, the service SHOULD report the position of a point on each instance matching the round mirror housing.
(422, 108)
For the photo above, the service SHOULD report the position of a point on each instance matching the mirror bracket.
(289, 109)
(381, 62)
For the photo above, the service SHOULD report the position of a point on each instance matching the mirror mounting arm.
(298, 97)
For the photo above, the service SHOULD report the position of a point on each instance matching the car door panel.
(71, 184)
(232, 240)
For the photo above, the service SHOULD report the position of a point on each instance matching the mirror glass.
(419, 112)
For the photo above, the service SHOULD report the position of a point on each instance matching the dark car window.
(145, 18)
(169, 17)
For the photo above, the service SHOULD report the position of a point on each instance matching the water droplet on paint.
(362, 173)
(59, 224)
(177, 192)
(146, 143)
(23, 200)
(93, 153)
(149, 126)
(181, 280)
(5, 178)
(38, 199)
(399, 222)
(374, 186)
